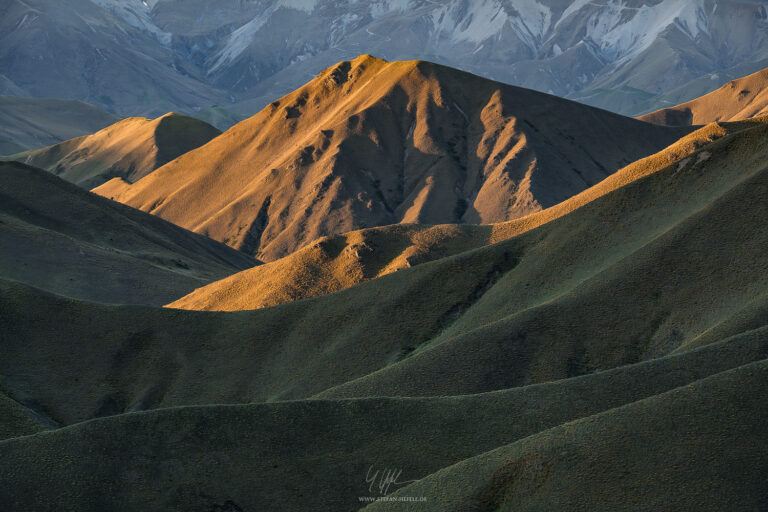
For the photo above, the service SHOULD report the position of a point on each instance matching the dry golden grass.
(129, 149)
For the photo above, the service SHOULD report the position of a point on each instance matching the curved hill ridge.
(737, 100)
(370, 143)
(63, 239)
(129, 149)
(335, 263)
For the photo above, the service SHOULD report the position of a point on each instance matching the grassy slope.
(129, 149)
(314, 455)
(339, 262)
(66, 240)
(608, 284)
(699, 447)
(331, 264)
(17, 420)
(642, 271)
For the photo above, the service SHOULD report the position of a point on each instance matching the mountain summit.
(369, 143)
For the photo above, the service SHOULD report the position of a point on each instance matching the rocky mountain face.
(149, 57)
(371, 143)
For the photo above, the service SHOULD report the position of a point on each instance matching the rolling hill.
(705, 438)
(537, 369)
(370, 143)
(205, 457)
(30, 123)
(129, 149)
(61, 238)
(616, 281)
(737, 100)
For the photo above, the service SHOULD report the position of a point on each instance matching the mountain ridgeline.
(370, 143)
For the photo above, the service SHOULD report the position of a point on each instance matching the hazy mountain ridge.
(29, 123)
(242, 55)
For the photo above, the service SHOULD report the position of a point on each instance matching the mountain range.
(31, 123)
(226, 60)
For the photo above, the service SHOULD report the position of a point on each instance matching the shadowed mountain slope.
(61, 238)
(737, 100)
(129, 149)
(29, 123)
(335, 263)
(370, 143)
(17, 420)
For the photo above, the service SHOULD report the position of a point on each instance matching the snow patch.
(241, 38)
(136, 13)
(299, 5)
(621, 32)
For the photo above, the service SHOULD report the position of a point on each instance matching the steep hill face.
(739, 99)
(30, 123)
(68, 241)
(130, 149)
(370, 143)
(335, 263)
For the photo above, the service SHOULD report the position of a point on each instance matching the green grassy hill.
(60, 238)
(315, 454)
